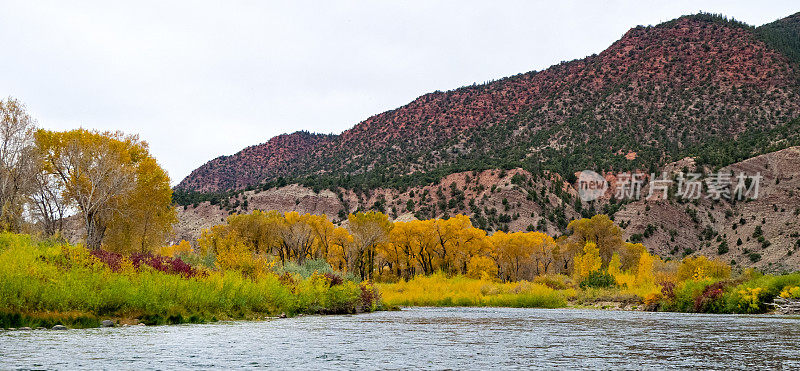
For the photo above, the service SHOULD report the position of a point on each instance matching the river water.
(436, 338)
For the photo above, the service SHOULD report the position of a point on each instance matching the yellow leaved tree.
(601, 231)
(118, 188)
(369, 230)
(588, 262)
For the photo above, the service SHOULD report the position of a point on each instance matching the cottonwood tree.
(341, 252)
(601, 230)
(369, 230)
(258, 229)
(457, 241)
(513, 254)
(47, 206)
(587, 263)
(400, 252)
(146, 215)
(431, 245)
(324, 233)
(113, 181)
(18, 165)
(296, 237)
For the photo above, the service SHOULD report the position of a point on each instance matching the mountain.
(699, 93)
(254, 164)
(659, 91)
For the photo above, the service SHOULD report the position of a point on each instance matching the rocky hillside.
(662, 92)
(254, 164)
(517, 200)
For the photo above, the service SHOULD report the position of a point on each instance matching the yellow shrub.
(80, 256)
(183, 247)
(750, 298)
(439, 290)
(790, 292)
(235, 255)
(126, 267)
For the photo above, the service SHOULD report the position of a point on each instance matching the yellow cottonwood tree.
(542, 251)
(114, 182)
(341, 254)
(599, 230)
(259, 229)
(323, 231)
(369, 230)
(401, 250)
(145, 218)
(295, 237)
(622, 278)
(425, 241)
(644, 270)
(512, 254)
(458, 242)
(588, 262)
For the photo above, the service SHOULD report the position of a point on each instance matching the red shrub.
(334, 279)
(160, 263)
(706, 300)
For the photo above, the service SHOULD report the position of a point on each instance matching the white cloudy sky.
(199, 79)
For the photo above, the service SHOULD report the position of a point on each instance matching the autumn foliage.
(370, 246)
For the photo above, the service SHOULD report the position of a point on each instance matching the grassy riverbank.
(46, 283)
(439, 291)
(749, 292)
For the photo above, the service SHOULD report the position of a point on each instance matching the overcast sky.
(200, 79)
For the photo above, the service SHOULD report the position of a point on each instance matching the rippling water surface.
(426, 338)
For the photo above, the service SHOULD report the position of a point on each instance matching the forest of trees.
(371, 246)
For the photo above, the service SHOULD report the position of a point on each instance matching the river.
(437, 338)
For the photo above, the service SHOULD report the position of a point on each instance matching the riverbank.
(750, 292)
(46, 283)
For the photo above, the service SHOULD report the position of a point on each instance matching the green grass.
(51, 282)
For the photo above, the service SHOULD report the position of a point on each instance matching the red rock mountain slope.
(657, 91)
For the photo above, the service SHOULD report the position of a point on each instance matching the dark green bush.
(598, 279)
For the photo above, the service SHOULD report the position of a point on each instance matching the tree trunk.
(94, 232)
(371, 262)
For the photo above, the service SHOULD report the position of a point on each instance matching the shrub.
(598, 279)
(710, 299)
(685, 294)
(438, 290)
(790, 292)
(753, 295)
(556, 282)
(116, 262)
(311, 266)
